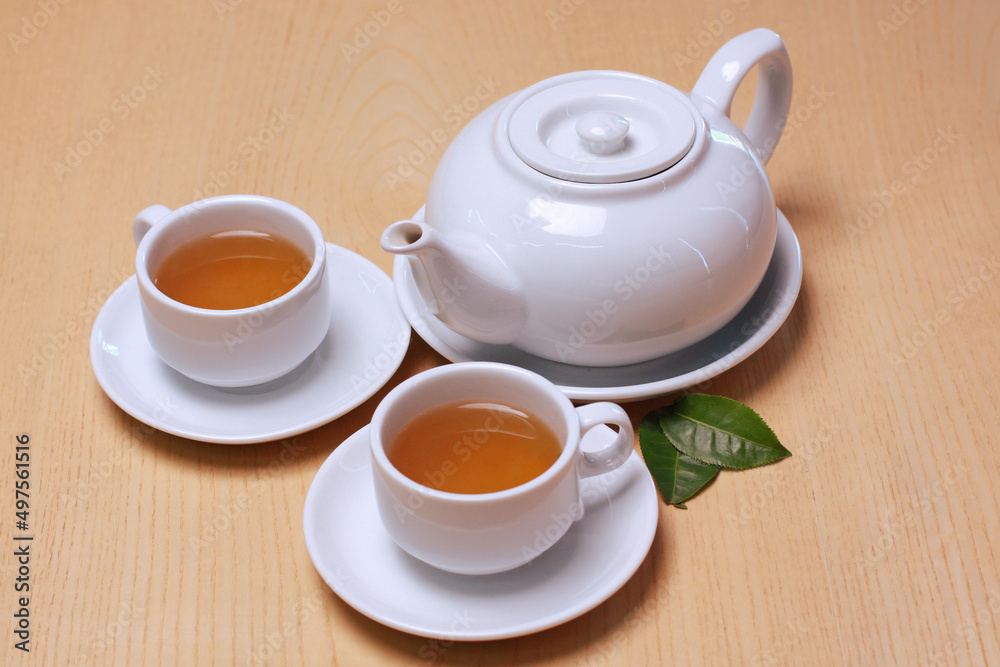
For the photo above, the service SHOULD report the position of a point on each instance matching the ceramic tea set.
(613, 237)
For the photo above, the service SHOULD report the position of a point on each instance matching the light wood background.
(878, 543)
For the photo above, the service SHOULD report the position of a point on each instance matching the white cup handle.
(147, 218)
(620, 448)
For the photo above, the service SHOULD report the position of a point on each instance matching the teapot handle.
(725, 71)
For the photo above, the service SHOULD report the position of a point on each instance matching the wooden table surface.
(878, 543)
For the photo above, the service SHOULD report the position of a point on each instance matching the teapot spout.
(472, 290)
(408, 237)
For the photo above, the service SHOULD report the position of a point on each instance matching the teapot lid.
(601, 126)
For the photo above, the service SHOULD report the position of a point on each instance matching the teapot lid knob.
(602, 132)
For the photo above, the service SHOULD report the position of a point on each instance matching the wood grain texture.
(878, 543)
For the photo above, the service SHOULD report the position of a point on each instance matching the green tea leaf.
(677, 476)
(720, 431)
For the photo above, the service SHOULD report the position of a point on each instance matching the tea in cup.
(477, 465)
(233, 288)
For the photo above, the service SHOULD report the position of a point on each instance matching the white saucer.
(736, 341)
(361, 563)
(367, 341)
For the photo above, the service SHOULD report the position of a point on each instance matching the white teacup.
(246, 346)
(490, 532)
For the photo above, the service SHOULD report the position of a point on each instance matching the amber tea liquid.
(231, 269)
(474, 447)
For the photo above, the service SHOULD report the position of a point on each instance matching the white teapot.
(604, 218)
